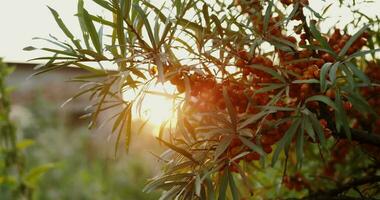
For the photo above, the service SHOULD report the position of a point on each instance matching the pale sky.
(21, 20)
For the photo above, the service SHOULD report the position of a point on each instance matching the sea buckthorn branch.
(242, 105)
(360, 136)
(343, 188)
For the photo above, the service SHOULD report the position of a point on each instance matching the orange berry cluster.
(373, 72)
(296, 182)
(236, 147)
(338, 156)
(249, 5)
(372, 95)
(337, 41)
(207, 92)
(289, 2)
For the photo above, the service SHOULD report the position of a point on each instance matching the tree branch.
(333, 194)
(361, 137)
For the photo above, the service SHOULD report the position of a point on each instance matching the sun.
(157, 108)
(157, 105)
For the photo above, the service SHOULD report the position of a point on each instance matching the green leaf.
(230, 108)
(82, 24)
(206, 15)
(323, 99)
(179, 150)
(158, 12)
(359, 73)
(91, 69)
(119, 123)
(286, 139)
(293, 13)
(268, 71)
(309, 81)
(300, 144)
(349, 77)
(25, 143)
(168, 27)
(362, 53)
(340, 114)
(128, 131)
(63, 27)
(222, 146)
(253, 118)
(281, 43)
(120, 32)
(29, 48)
(268, 14)
(313, 11)
(223, 185)
(63, 45)
(217, 23)
(156, 183)
(317, 128)
(317, 35)
(156, 31)
(148, 28)
(332, 72)
(92, 31)
(233, 187)
(97, 56)
(269, 88)
(349, 43)
(210, 189)
(68, 53)
(105, 5)
(198, 186)
(252, 146)
(360, 103)
(169, 195)
(192, 26)
(35, 174)
(309, 128)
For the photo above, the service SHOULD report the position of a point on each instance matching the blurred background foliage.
(83, 170)
(73, 162)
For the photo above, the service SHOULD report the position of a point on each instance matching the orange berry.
(327, 57)
(305, 88)
(235, 142)
(267, 139)
(233, 168)
(243, 54)
(253, 156)
(330, 93)
(302, 43)
(347, 106)
(240, 63)
(317, 73)
(323, 123)
(267, 149)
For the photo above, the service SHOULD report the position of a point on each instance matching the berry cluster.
(337, 41)
(297, 63)
(295, 182)
(236, 147)
(372, 95)
(289, 2)
(338, 156)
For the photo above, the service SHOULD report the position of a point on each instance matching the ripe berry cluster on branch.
(248, 92)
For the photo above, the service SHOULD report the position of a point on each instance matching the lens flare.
(157, 106)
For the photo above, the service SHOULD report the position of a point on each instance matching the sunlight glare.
(157, 106)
